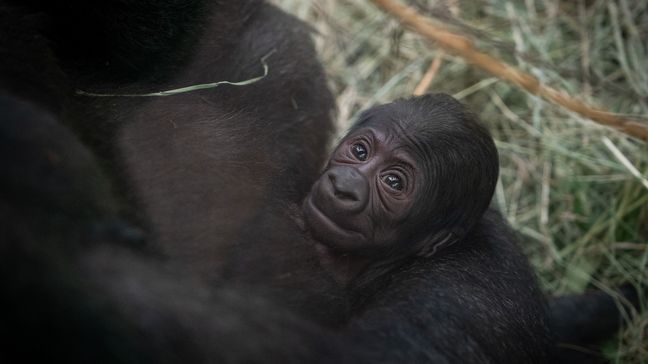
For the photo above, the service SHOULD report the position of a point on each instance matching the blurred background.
(576, 191)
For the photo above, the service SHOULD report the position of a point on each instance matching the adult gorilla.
(178, 163)
(87, 180)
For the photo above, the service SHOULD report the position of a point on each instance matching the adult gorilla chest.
(196, 166)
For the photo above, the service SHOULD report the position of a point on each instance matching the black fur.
(581, 322)
(166, 156)
(475, 302)
(189, 170)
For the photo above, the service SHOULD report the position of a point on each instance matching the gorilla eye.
(394, 182)
(359, 151)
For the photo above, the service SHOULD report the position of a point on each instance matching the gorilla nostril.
(340, 189)
(332, 178)
(348, 188)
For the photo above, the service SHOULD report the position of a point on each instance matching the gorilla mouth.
(319, 219)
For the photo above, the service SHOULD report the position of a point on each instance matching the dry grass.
(576, 191)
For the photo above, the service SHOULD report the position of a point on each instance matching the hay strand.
(464, 47)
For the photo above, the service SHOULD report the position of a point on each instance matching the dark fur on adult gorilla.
(78, 283)
(160, 152)
(109, 203)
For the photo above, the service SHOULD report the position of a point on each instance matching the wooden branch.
(464, 47)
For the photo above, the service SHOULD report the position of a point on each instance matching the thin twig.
(465, 48)
(426, 81)
(624, 161)
(191, 88)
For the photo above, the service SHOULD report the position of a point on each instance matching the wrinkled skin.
(411, 177)
(366, 192)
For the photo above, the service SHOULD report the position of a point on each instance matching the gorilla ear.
(436, 242)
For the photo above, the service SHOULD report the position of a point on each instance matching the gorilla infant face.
(411, 176)
(366, 191)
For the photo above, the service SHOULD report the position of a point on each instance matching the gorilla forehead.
(418, 123)
(434, 110)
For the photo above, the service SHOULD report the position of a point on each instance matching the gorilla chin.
(328, 232)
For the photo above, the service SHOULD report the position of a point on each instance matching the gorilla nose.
(350, 187)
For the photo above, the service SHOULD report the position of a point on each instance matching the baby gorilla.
(410, 177)
(395, 244)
